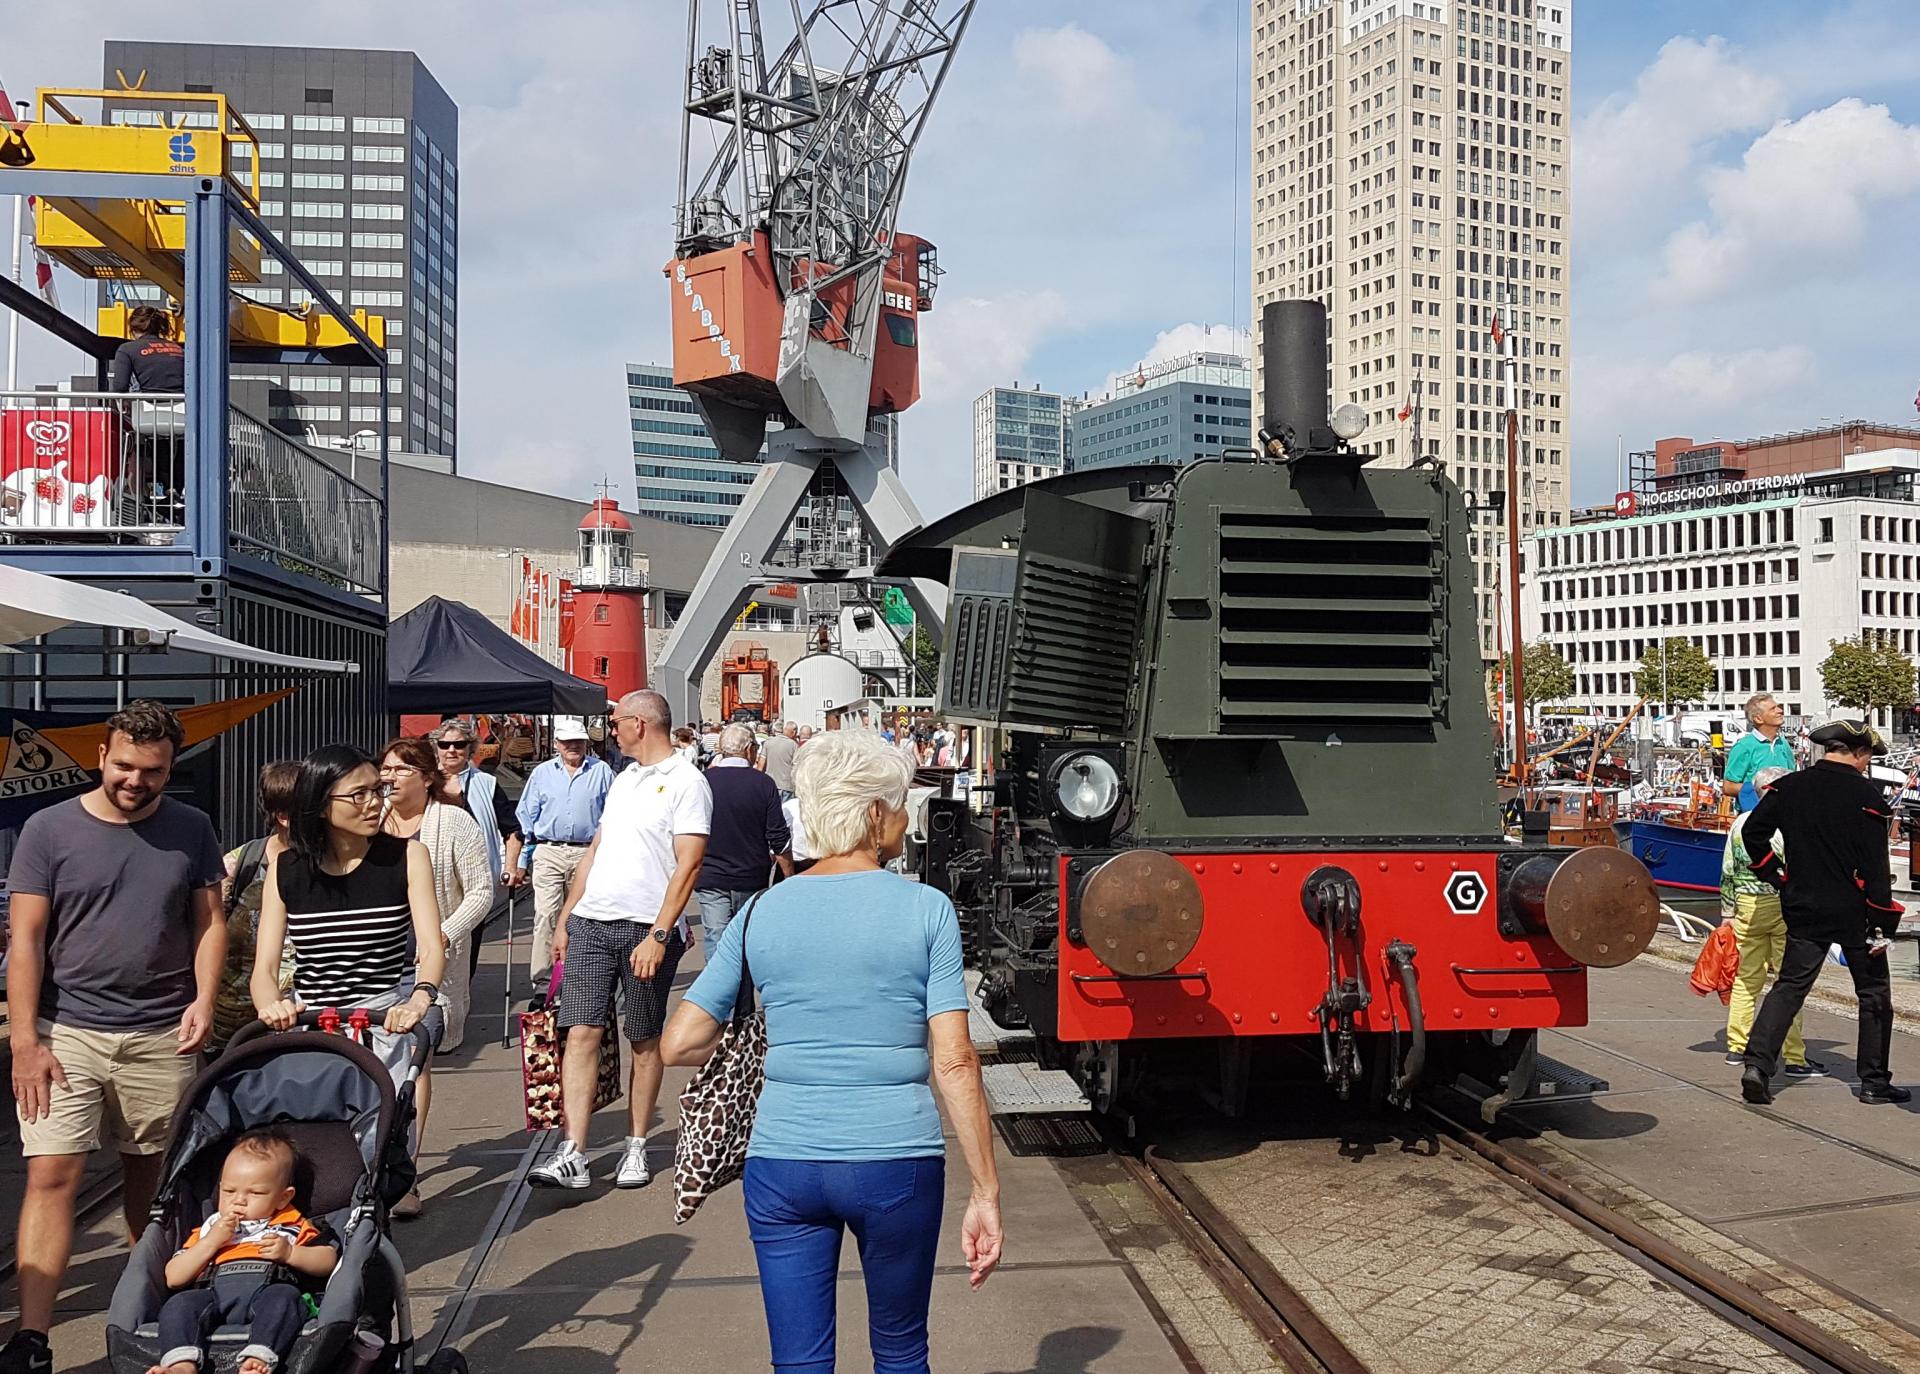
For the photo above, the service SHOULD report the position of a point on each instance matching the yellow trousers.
(1761, 933)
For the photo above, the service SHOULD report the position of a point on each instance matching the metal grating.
(978, 630)
(1330, 618)
(1018, 1088)
(1045, 1135)
(1073, 649)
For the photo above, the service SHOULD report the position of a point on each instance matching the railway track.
(1305, 1342)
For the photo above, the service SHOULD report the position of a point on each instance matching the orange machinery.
(749, 684)
(729, 308)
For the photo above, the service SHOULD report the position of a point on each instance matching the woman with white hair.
(859, 973)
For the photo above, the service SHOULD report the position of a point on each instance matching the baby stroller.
(338, 1103)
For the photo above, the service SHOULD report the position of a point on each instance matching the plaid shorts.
(599, 959)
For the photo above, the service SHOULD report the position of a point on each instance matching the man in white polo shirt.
(621, 928)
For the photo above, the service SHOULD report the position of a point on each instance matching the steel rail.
(1754, 1306)
(1271, 1305)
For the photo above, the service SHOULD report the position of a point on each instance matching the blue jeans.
(796, 1211)
(718, 907)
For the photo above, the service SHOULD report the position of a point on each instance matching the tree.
(1867, 673)
(1549, 677)
(1674, 670)
(926, 660)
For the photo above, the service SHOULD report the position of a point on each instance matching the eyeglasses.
(460, 744)
(615, 720)
(361, 797)
(394, 770)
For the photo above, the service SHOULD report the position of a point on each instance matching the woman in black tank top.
(352, 902)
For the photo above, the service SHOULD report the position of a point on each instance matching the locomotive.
(1245, 787)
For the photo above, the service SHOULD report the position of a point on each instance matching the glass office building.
(359, 157)
(1173, 412)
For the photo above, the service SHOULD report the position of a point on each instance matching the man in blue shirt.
(748, 835)
(1763, 746)
(559, 812)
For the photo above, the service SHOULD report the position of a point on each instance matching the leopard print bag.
(717, 1107)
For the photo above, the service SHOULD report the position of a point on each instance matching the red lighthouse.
(609, 604)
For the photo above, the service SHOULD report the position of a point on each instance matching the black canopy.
(443, 656)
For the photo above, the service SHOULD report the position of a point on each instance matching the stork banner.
(48, 756)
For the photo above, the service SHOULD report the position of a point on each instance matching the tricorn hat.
(1849, 734)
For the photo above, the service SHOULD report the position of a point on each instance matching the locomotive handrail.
(1520, 972)
(1201, 977)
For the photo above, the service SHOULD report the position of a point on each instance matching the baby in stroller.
(244, 1262)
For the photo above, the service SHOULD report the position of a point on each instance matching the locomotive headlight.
(1349, 422)
(1086, 787)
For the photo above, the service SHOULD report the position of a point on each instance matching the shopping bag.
(540, 1049)
(718, 1106)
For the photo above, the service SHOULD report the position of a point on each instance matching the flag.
(894, 608)
(1499, 334)
(1406, 410)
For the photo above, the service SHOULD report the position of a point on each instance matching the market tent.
(33, 604)
(445, 657)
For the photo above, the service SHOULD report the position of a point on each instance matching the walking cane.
(506, 1014)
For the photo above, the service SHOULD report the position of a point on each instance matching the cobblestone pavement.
(1425, 1264)
(1220, 1339)
(1798, 1292)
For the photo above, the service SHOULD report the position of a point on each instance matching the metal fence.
(78, 464)
(290, 506)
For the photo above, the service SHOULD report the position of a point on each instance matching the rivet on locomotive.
(1245, 773)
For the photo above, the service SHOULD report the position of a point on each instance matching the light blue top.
(556, 805)
(848, 966)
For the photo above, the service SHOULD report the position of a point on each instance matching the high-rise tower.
(359, 173)
(1410, 171)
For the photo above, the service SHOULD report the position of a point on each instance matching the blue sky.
(1746, 177)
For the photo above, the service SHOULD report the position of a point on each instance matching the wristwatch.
(661, 933)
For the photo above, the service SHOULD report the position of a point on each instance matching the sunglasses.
(461, 745)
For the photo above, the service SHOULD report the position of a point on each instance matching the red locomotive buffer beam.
(728, 311)
(1259, 966)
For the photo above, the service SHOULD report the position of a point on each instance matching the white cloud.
(1641, 144)
(1800, 199)
(1084, 78)
(1647, 397)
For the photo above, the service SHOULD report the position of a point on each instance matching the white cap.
(569, 727)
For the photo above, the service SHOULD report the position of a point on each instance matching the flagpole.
(13, 316)
(1513, 553)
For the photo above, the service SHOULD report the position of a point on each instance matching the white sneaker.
(566, 1168)
(633, 1171)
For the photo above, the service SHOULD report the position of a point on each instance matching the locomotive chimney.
(1293, 338)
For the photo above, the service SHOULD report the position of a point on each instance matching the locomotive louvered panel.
(1073, 651)
(979, 629)
(1335, 618)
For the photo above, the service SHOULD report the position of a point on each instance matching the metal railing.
(288, 504)
(84, 465)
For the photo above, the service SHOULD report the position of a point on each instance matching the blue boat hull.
(1676, 856)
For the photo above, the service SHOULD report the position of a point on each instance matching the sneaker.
(27, 1353)
(1736, 1058)
(633, 1171)
(566, 1168)
(1754, 1087)
(1813, 1068)
(1872, 1096)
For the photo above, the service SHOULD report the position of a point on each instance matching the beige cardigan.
(463, 888)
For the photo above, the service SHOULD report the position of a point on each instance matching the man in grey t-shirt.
(117, 948)
(777, 756)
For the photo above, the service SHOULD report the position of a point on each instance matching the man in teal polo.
(1763, 746)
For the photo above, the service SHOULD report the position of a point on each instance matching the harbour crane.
(795, 300)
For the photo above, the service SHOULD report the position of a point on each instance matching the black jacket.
(157, 364)
(748, 828)
(1837, 884)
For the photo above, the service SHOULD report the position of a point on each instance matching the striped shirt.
(351, 931)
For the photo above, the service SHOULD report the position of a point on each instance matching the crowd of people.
(368, 888)
(1806, 874)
